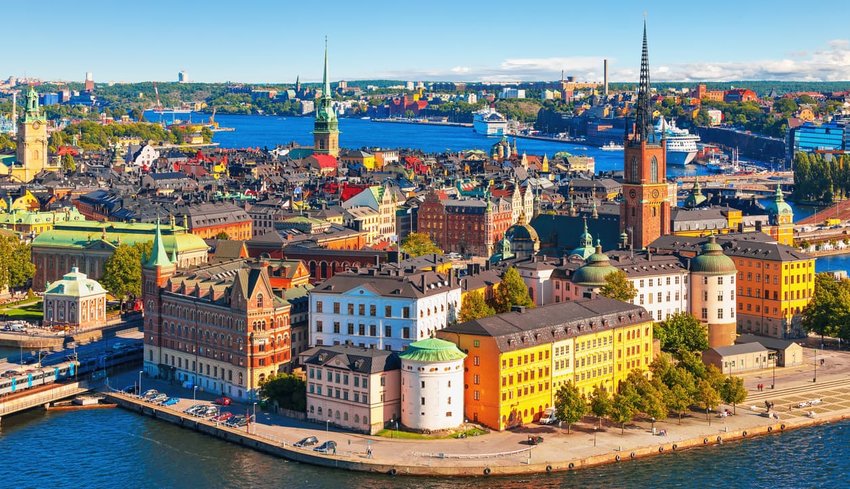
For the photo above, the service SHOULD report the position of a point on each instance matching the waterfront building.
(646, 205)
(775, 282)
(74, 301)
(217, 326)
(432, 385)
(713, 293)
(352, 387)
(784, 353)
(811, 137)
(383, 308)
(735, 359)
(88, 244)
(299, 315)
(326, 126)
(517, 360)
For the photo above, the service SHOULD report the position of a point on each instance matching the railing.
(42, 397)
(470, 456)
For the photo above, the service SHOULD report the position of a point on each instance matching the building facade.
(219, 327)
(432, 385)
(75, 301)
(466, 226)
(326, 126)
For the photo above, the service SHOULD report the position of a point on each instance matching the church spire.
(643, 118)
(158, 258)
(326, 84)
(33, 110)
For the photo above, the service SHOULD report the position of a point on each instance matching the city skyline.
(687, 43)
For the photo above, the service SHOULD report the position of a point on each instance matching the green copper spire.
(326, 84)
(326, 121)
(33, 110)
(158, 258)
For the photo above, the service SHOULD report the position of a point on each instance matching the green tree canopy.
(122, 272)
(222, 235)
(288, 391)
(623, 409)
(570, 404)
(69, 165)
(681, 331)
(511, 292)
(828, 313)
(617, 286)
(16, 268)
(733, 392)
(706, 396)
(418, 244)
(600, 403)
(474, 307)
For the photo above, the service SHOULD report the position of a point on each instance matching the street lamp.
(815, 378)
(653, 424)
(194, 392)
(708, 416)
(327, 426)
(595, 430)
(140, 383)
(773, 384)
(255, 418)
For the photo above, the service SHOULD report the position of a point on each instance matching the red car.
(223, 401)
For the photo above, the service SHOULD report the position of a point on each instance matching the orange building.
(209, 220)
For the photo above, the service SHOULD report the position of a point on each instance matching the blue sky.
(273, 41)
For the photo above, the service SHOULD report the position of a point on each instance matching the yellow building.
(37, 222)
(517, 360)
(358, 157)
(25, 202)
(32, 144)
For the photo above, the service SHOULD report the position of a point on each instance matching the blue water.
(115, 448)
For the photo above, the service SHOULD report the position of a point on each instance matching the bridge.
(839, 210)
(38, 397)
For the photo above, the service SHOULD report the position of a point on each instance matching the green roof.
(598, 267)
(83, 233)
(158, 258)
(432, 350)
(75, 284)
(712, 260)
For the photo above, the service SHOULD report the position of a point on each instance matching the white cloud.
(831, 63)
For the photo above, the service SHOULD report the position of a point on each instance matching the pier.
(40, 397)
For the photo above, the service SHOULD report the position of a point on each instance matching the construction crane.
(158, 106)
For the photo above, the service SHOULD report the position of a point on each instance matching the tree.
(622, 410)
(122, 272)
(681, 331)
(511, 292)
(600, 403)
(733, 392)
(222, 235)
(570, 404)
(617, 286)
(706, 397)
(16, 268)
(68, 163)
(288, 391)
(474, 307)
(418, 244)
(829, 310)
(678, 400)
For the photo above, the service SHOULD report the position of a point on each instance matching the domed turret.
(523, 239)
(598, 267)
(778, 211)
(712, 260)
(585, 248)
(695, 197)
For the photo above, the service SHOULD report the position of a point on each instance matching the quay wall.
(281, 449)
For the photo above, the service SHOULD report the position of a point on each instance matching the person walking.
(369, 452)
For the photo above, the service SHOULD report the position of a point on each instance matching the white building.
(512, 93)
(432, 385)
(382, 308)
(381, 199)
(713, 293)
(75, 301)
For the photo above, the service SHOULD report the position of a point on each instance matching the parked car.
(192, 409)
(150, 393)
(171, 401)
(210, 412)
(223, 417)
(223, 401)
(158, 398)
(549, 416)
(326, 447)
(306, 442)
(236, 421)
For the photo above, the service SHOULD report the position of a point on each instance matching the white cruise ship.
(489, 123)
(681, 144)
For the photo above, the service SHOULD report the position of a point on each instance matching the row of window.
(341, 378)
(793, 295)
(659, 297)
(342, 394)
(789, 279)
(719, 313)
(362, 330)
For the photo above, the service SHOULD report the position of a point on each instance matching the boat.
(489, 123)
(681, 144)
(612, 146)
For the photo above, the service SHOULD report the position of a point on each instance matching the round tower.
(713, 293)
(432, 385)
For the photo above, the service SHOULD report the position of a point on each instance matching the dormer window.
(259, 300)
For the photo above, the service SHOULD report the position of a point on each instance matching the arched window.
(259, 300)
(634, 172)
(653, 170)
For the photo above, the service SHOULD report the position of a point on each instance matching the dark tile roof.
(553, 322)
(352, 358)
(389, 283)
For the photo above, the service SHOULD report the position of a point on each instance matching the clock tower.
(326, 126)
(645, 212)
(32, 141)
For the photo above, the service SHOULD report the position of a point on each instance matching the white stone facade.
(431, 394)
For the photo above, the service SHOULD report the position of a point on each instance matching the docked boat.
(612, 146)
(489, 123)
(681, 144)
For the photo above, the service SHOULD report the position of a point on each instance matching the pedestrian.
(369, 452)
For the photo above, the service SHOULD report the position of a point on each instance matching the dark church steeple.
(643, 116)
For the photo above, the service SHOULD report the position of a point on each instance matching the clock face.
(632, 193)
(655, 193)
(36, 125)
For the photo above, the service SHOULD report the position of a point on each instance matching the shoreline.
(358, 463)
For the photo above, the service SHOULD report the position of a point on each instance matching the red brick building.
(467, 226)
(740, 95)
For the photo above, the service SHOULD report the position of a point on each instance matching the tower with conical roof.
(32, 141)
(781, 218)
(326, 126)
(156, 270)
(645, 211)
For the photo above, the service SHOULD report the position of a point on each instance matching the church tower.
(645, 212)
(326, 127)
(156, 271)
(32, 141)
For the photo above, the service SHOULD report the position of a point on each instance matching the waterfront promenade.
(507, 453)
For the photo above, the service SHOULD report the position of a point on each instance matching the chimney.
(422, 281)
(605, 78)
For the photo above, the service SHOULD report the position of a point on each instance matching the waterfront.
(120, 448)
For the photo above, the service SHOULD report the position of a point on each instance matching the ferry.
(489, 123)
(612, 146)
(681, 144)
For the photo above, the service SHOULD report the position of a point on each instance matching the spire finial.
(326, 84)
(643, 119)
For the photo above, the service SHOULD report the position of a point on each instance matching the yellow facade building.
(516, 361)
(32, 155)
(37, 222)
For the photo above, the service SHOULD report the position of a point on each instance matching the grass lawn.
(29, 311)
(407, 435)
